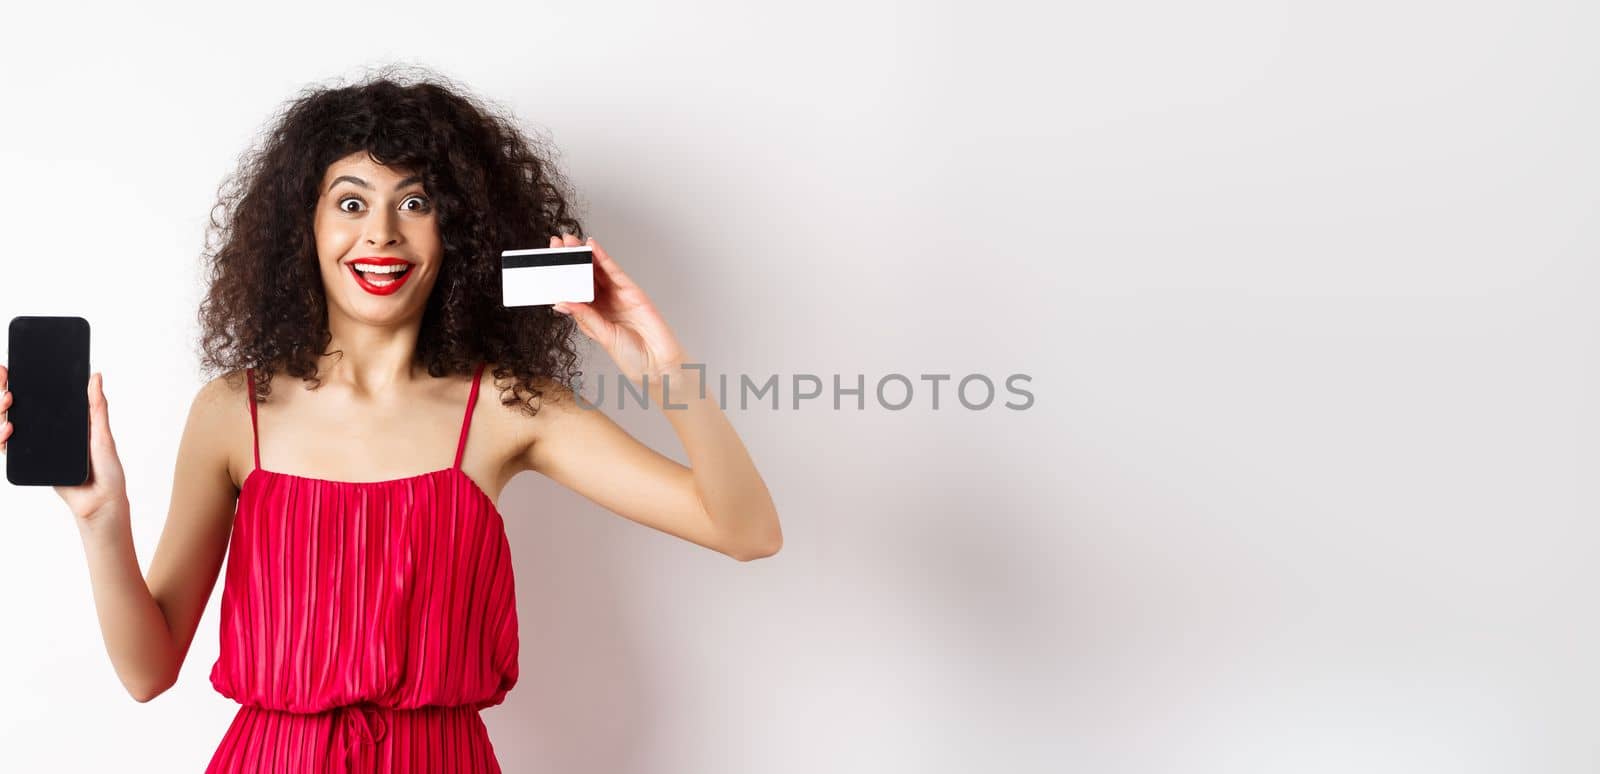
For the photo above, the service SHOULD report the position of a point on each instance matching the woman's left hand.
(622, 319)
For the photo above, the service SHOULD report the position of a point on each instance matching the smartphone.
(48, 376)
(546, 275)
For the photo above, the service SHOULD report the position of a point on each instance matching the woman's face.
(368, 215)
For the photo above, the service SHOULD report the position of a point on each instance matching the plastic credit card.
(546, 275)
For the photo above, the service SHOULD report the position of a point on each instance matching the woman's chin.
(382, 310)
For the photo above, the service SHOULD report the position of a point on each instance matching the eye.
(347, 199)
(425, 206)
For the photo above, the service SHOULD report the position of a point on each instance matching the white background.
(1306, 292)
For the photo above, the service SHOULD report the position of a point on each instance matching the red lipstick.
(396, 279)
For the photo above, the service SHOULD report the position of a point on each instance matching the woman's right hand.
(106, 489)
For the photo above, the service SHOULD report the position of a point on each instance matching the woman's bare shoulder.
(528, 417)
(221, 392)
(218, 414)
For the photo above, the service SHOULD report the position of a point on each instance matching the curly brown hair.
(494, 187)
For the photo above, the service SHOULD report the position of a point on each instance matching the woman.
(367, 611)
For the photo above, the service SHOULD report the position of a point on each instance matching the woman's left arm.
(720, 500)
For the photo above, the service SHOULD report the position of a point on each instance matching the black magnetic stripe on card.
(549, 259)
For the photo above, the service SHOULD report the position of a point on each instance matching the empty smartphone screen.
(48, 375)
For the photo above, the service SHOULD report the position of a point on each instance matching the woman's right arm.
(148, 625)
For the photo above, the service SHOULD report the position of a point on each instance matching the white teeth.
(370, 273)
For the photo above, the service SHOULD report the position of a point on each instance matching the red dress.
(365, 624)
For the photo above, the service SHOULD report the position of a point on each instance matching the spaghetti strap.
(466, 421)
(255, 440)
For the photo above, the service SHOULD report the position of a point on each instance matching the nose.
(381, 231)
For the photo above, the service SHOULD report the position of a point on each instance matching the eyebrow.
(363, 183)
